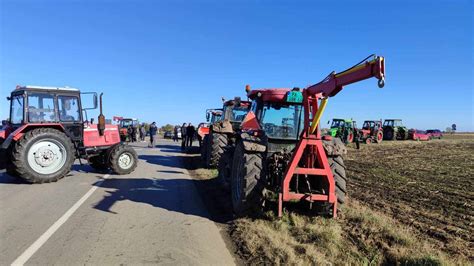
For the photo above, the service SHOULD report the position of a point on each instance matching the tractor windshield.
(368, 125)
(388, 123)
(282, 122)
(127, 123)
(337, 123)
(236, 113)
(16, 111)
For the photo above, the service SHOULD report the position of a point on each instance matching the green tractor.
(393, 129)
(344, 129)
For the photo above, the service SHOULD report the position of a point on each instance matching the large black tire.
(247, 181)
(225, 166)
(123, 159)
(218, 143)
(390, 134)
(31, 170)
(339, 172)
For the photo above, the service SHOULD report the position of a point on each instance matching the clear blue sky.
(167, 61)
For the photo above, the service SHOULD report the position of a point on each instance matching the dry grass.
(360, 236)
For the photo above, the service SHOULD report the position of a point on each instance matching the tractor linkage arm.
(335, 82)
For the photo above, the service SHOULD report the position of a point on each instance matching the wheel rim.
(125, 160)
(379, 136)
(47, 156)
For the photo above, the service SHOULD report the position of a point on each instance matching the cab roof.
(270, 94)
(33, 87)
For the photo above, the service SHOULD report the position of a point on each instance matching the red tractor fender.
(19, 132)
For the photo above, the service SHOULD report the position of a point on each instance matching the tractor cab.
(234, 111)
(124, 125)
(39, 106)
(393, 123)
(372, 125)
(276, 113)
(213, 115)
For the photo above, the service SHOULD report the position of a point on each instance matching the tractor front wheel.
(218, 143)
(42, 155)
(123, 159)
(379, 137)
(247, 180)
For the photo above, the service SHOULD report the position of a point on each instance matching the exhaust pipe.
(101, 118)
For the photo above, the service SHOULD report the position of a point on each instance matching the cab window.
(41, 108)
(16, 111)
(68, 109)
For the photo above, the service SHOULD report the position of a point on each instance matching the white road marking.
(31, 250)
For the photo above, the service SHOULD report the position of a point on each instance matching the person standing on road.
(153, 130)
(190, 131)
(183, 136)
(142, 133)
(134, 133)
(175, 133)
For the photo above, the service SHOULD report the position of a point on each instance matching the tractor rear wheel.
(42, 155)
(123, 159)
(247, 180)
(218, 143)
(339, 172)
(350, 137)
(379, 137)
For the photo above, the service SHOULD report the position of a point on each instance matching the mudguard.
(223, 126)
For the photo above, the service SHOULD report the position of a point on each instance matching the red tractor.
(281, 151)
(125, 125)
(223, 131)
(372, 131)
(46, 132)
(212, 116)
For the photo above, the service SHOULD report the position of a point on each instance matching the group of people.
(132, 133)
(188, 133)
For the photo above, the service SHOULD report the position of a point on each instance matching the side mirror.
(328, 122)
(8, 98)
(88, 100)
(208, 116)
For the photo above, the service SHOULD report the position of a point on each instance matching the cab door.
(70, 116)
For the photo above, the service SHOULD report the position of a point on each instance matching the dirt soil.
(428, 186)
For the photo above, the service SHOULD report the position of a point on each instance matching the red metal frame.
(306, 163)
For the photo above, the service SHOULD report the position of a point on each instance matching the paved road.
(152, 216)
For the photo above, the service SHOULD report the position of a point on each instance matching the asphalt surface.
(152, 216)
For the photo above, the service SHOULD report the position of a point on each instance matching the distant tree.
(167, 127)
(448, 130)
